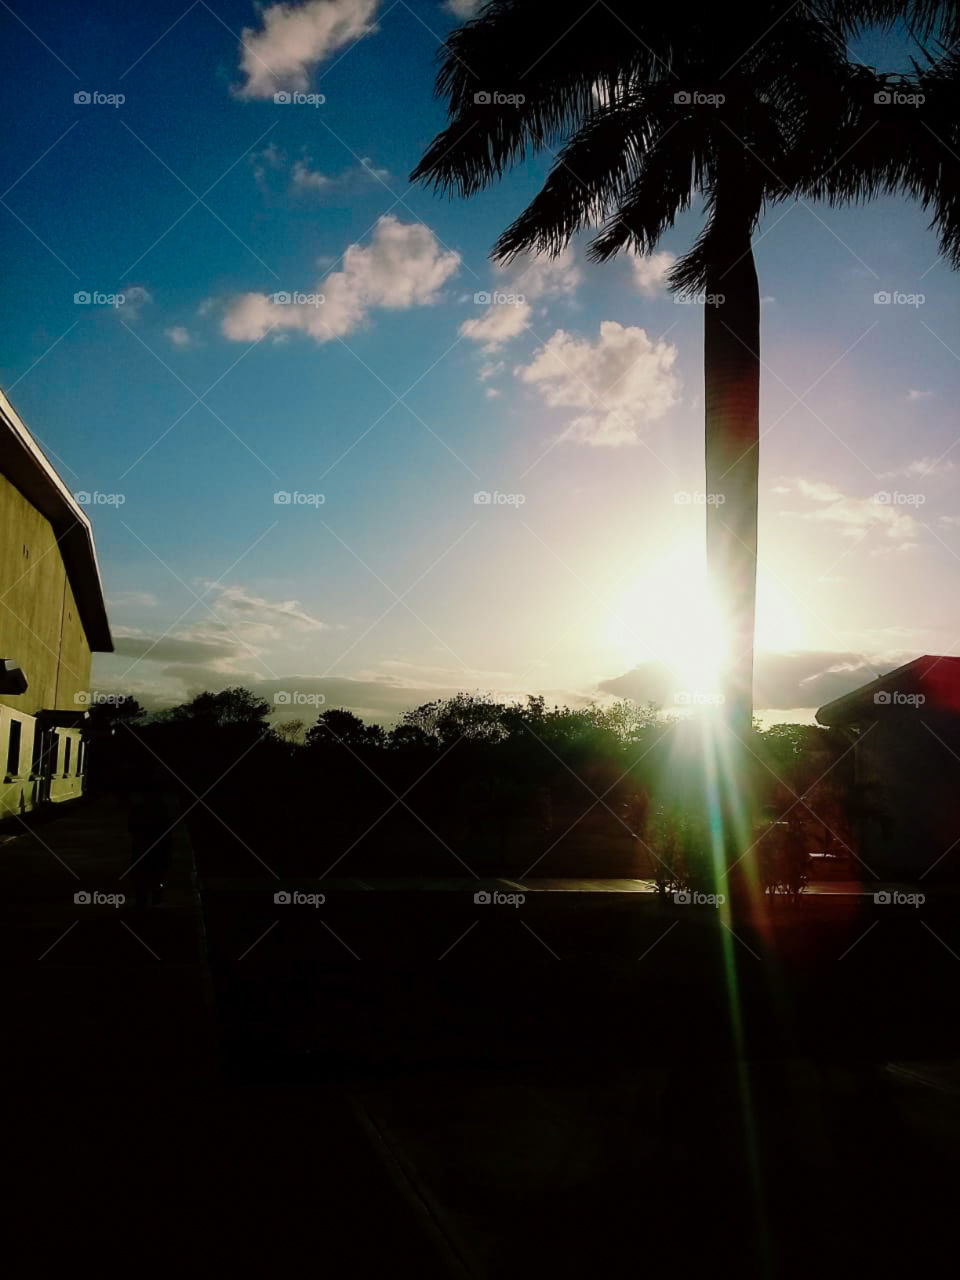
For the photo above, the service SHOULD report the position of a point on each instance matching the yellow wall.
(40, 628)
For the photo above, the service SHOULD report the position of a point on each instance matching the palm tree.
(645, 109)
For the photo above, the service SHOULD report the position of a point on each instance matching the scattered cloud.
(293, 38)
(497, 323)
(179, 336)
(403, 266)
(135, 298)
(492, 369)
(650, 271)
(856, 516)
(542, 276)
(913, 394)
(622, 381)
(925, 467)
(133, 600)
(782, 681)
(463, 9)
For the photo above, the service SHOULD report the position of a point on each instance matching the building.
(905, 731)
(52, 617)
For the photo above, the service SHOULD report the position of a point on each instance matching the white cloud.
(304, 179)
(913, 394)
(924, 467)
(622, 380)
(856, 516)
(650, 271)
(403, 266)
(491, 370)
(498, 323)
(541, 276)
(295, 37)
(179, 336)
(463, 9)
(135, 298)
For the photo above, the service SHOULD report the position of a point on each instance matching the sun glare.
(670, 618)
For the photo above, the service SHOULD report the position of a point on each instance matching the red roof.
(931, 682)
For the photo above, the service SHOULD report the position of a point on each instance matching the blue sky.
(399, 586)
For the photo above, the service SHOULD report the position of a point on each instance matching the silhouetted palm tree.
(645, 108)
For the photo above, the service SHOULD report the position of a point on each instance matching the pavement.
(284, 1095)
(97, 994)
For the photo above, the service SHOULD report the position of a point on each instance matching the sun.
(669, 617)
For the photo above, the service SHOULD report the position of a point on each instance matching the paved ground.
(410, 1079)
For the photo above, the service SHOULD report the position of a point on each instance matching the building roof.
(25, 465)
(931, 682)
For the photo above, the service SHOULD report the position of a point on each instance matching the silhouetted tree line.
(468, 783)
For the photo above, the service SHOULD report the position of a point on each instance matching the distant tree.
(234, 706)
(339, 727)
(105, 717)
(290, 731)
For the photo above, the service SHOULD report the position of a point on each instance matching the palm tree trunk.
(731, 367)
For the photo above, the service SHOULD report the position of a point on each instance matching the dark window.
(66, 756)
(13, 748)
(80, 754)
